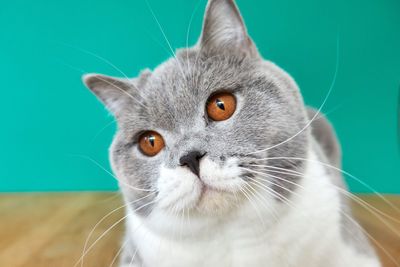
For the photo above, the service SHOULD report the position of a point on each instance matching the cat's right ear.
(114, 93)
(224, 29)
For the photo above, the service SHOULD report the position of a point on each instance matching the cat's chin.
(220, 190)
(214, 201)
(206, 202)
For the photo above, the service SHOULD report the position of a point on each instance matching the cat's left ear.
(115, 93)
(223, 28)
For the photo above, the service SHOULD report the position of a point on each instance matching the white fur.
(307, 232)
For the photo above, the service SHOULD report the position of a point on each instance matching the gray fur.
(324, 133)
(171, 100)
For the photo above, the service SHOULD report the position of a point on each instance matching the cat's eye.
(151, 143)
(221, 106)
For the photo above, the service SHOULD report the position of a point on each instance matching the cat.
(220, 163)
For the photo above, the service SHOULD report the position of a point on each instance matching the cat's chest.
(253, 239)
(233, 246)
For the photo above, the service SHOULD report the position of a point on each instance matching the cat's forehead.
(175, 93)
(194, 67)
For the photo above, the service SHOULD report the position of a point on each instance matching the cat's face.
(189, 129)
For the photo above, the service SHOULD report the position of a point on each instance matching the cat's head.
(195, 134)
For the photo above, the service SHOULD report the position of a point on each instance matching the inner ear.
(223, 28)
(114, 93)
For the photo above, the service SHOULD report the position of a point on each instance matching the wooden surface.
(49, 230)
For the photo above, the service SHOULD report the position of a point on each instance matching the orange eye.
(221, 106)
(151, 143)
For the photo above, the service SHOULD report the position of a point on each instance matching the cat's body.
(264, 187)
(310, 232)
(314, 240)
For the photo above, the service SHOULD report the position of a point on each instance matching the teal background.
(50, 123)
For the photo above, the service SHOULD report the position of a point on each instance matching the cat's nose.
(192, 161)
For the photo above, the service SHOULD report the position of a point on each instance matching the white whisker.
(105, 217)
(263, 203)
(374, 211)
(342, 171)
(133, 257)
(109, 83)
(123, 91)
(112, 175)
(274, 193)
(101, 130)
(108, 230)
(104, 60)
(188, 31)
(360, 201)
(318, 111)
(273, 176)
(165, 37)
(117, 254)
(357, 225)
(243, 190)
(372, 238)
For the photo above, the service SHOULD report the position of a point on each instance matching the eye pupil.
(220, 104)
(152, 140)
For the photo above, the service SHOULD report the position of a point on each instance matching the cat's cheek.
(178, 189)
(226, 177)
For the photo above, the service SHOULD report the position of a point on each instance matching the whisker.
(273, 176)
(123, 91)
(113, 85)
(182, 215)
(165, 36)
(375, 212)
(318, 111)
(190, 22)
(112, 175)
(343, 191)
(101, 236)
(133, 257)
(243, 190)
(160, 27)
(363, 202)
(108, 230)
(118, 253)
(288, 202)
(273, 167)
(104, 60)
(188, 33)
(105, 217)
(372, 238)
(101, 130)
(261, 197)
(275, 194)
(342, 171)
(113, 196)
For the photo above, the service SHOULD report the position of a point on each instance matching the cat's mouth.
(216, 190)
(206, 190)
(214, 200)
(219, 188)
